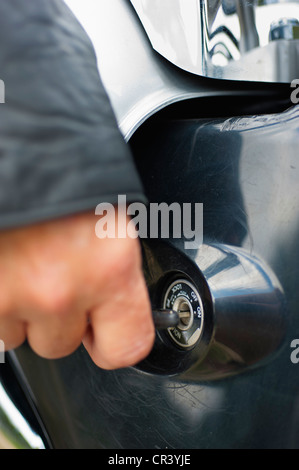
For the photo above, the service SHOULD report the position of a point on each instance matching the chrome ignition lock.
(183, 297)
(217, 315)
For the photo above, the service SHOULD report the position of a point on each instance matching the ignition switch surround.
(182, 295)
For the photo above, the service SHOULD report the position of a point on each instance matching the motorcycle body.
(202, 95)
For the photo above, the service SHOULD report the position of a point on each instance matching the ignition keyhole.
(183, 297)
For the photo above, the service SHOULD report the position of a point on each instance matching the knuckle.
(5, 305)
(12, 334)
(48, 352)
(52, 343)
(125, 260)
(52, 299)
(14, 342)
(131, 342)
(128, 356)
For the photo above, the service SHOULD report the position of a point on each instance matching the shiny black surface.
(245, 172)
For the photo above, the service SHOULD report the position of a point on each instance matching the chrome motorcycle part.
(225, 39)
(236, 304)
(140, 82)
(285, 28)
(15, 431)
(182, 296)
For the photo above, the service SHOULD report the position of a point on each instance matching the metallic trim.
(15, 431)
(138, 81)
(226, 39)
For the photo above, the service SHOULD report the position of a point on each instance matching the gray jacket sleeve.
(60, 148)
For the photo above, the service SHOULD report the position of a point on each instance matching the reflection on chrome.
(256, 40)
(15, 431)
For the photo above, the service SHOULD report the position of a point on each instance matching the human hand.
(61, 285)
